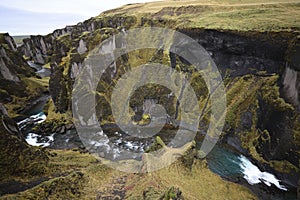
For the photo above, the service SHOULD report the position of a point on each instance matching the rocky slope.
(20, 88)
(17, 157)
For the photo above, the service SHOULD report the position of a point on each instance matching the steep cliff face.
(260, 69)
(9, 60)
(19, 86)
(291, 75)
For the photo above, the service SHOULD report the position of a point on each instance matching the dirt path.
(113, 190)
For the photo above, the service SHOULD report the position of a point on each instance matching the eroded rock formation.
(260, 72)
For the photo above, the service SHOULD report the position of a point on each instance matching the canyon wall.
(260, 72)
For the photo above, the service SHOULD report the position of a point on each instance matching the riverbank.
(230, 165)
(81, 176)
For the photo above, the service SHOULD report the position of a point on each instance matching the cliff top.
(241, 15)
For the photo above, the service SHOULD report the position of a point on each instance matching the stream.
(222, 161)
(41, 70)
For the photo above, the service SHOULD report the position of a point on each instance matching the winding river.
(222, 161)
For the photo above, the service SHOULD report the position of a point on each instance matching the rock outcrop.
(17, 158)
(11, 62)
(19, 85)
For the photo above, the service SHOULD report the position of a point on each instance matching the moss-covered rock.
(19, 86)
(17, 158)
(263, 123)
(68, 187)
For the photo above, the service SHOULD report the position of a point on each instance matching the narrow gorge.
(260, 66)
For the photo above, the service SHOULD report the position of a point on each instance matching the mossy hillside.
(36, 86)
(61, 84)
(66, 174)
(166, 14)
(17, 158)
(55, 120)
(197, 183)
(87, 182)
(251, 101)
(13, 59)
(99, 35)
(67, 187)
(247, 15)
(68, 42)
(114, 20)
(110, 79)
(66, 84)
(73, 174)
(249, 98)
(162, 95)
(23, 95)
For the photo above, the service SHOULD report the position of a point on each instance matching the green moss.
(47, 65)
(65, 64)
(31, 89)
(284, 166)
(271, 95)
(248, 15)
(158, 144)
(54, 121)
(296, 130)
(68, 161)
(199, 85)
(81, 176)
(195, 183)
(172, 194)
(99, 36)
(241, 95)
(85, 34)
(265, 136)
(68, 187)
(146, 119)
(65, 39)
(17, 158)
(37, 83)
(151, 193)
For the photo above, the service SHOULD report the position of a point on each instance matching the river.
(221, 160)
(41, 70)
